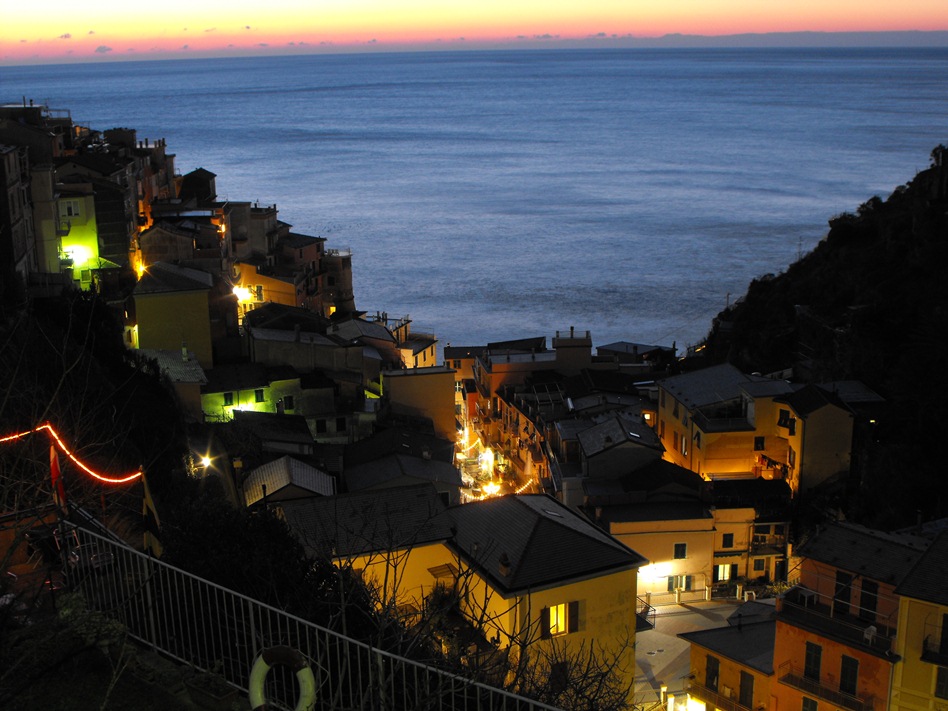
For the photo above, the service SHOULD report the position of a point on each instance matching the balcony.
(935, 647)
(808, 610)
(794, 677)
(764, 544)
(713, 699)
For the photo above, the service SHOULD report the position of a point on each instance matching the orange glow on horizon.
(53, 30)
(65, 450)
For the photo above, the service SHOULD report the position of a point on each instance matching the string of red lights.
(75, 460)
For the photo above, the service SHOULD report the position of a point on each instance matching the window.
(698, 440)
(712, 672)
(340, 424)
(257, 292)
(746, 697)
(844, 586)
(812, 661)
(457, 365)
(759, 565)
(941, 683)
(809, 704)
(661, 429)
(675, 409)
(679, 582)
(723, 573)
(728, 541)
(559, 677)
(848, 675)
(759, 444)
(684, 446)
(228, 399)
(681, 551)
(559, 619)
(791, 458)
(69, 208)
(258, 395)
(868, 595)
(288, 402)
(675, 439)
(320, 426)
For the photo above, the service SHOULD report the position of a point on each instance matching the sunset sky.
(62, 31)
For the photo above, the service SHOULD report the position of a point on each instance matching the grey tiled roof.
(707, 386)
(369, 521)
(396, 466)
(284, 472)
(749, 644)
(162, 278)
(175, 367)
(543, 542)
(926, 580)
(883, 557)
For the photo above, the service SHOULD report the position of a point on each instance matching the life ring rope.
(288, 657)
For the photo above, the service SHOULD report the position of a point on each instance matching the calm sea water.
(494, 195)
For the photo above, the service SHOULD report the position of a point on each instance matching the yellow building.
(172, 309)
(723, 424)
(538, 584)
(426, 393)
(921, 679)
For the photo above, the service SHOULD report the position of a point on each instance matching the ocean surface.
(505, 194)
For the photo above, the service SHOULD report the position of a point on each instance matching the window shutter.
(671, 583)
(733, 571)
(545, 623)
(715, 577)
(688, 582)
(572, 617)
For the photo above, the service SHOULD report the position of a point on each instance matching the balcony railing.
(934, 649)
(713, 698)
(795, 677)
(805, 608)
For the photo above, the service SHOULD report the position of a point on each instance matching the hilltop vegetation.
(867, 304)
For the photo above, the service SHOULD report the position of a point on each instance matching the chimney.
(504, 565)
(184, 351)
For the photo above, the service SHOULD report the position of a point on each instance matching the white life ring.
(291, 658)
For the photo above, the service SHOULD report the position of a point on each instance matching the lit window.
(69, 208)
(681, 551)
(559, 619)
(723, 572)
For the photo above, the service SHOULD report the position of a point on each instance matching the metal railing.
(792, 676)
(210, 628)
(713, 698)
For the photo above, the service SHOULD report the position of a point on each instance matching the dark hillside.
(869, 303)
